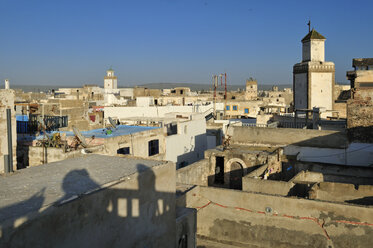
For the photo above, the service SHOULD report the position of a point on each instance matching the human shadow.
(134, 211)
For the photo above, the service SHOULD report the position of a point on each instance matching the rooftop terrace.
(38, 187)
(120, 130)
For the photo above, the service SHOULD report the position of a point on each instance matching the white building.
(313, 78)
(186, 139)
(144, 101)
(122, 113)
(185, 135)
(110, 81)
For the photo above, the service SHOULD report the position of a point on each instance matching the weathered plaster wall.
(340, 192)
(243, 218)
(300, 91)
(7, 101)
(252, 107)
(248, 162)
(137, 142)
(321, 90)
(35, 155)
(186, 227)
(317, 50)
(266, 186)
(363, 76)
(194, 174)
(136, 210)
(360, 116)
(341, 107)
(306, 51)
(287, 136)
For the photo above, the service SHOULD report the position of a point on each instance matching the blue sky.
(65, 42)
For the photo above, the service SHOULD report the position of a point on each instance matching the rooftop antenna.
(80, 137)
(309, 25)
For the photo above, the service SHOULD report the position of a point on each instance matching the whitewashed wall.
(317, 50)
(357, 154)
(321, 90)
(144, 101)
(306, 52)
(189, 144)
(300, 84)
(126, 92)
(155, 111)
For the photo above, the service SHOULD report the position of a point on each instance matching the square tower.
(313, 78)
(110, 81)
(251, 91)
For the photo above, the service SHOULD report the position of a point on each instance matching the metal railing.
(51, 123)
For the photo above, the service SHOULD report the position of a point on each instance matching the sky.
(71, 43)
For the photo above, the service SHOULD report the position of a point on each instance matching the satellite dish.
(112, 122)
(80, 137)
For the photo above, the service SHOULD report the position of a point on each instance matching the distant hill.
(193, 87)
(38, 88)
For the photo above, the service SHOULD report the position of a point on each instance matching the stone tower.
(251, 91)
(313, 78)
(110, 81)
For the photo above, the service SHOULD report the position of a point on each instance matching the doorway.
(235, 176)
(219, 170)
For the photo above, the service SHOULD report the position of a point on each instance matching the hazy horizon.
(74, 42)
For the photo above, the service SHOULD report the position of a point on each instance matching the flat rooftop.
(120, 130)
(33, 188)
(245, 149)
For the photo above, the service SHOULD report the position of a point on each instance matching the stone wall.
(247, 161)
(360, 116)
(341, 107)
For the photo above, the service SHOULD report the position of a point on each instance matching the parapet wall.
(287, 136)
(250, 219)
(194, 174)
(360, 116)
(266, 186)
(137, 209)
(340, 192)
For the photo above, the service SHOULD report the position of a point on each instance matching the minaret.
(7, 87)
(110, 81)
(313, 48)
(313, 78)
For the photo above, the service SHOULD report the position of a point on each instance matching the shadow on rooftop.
(128, 213)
